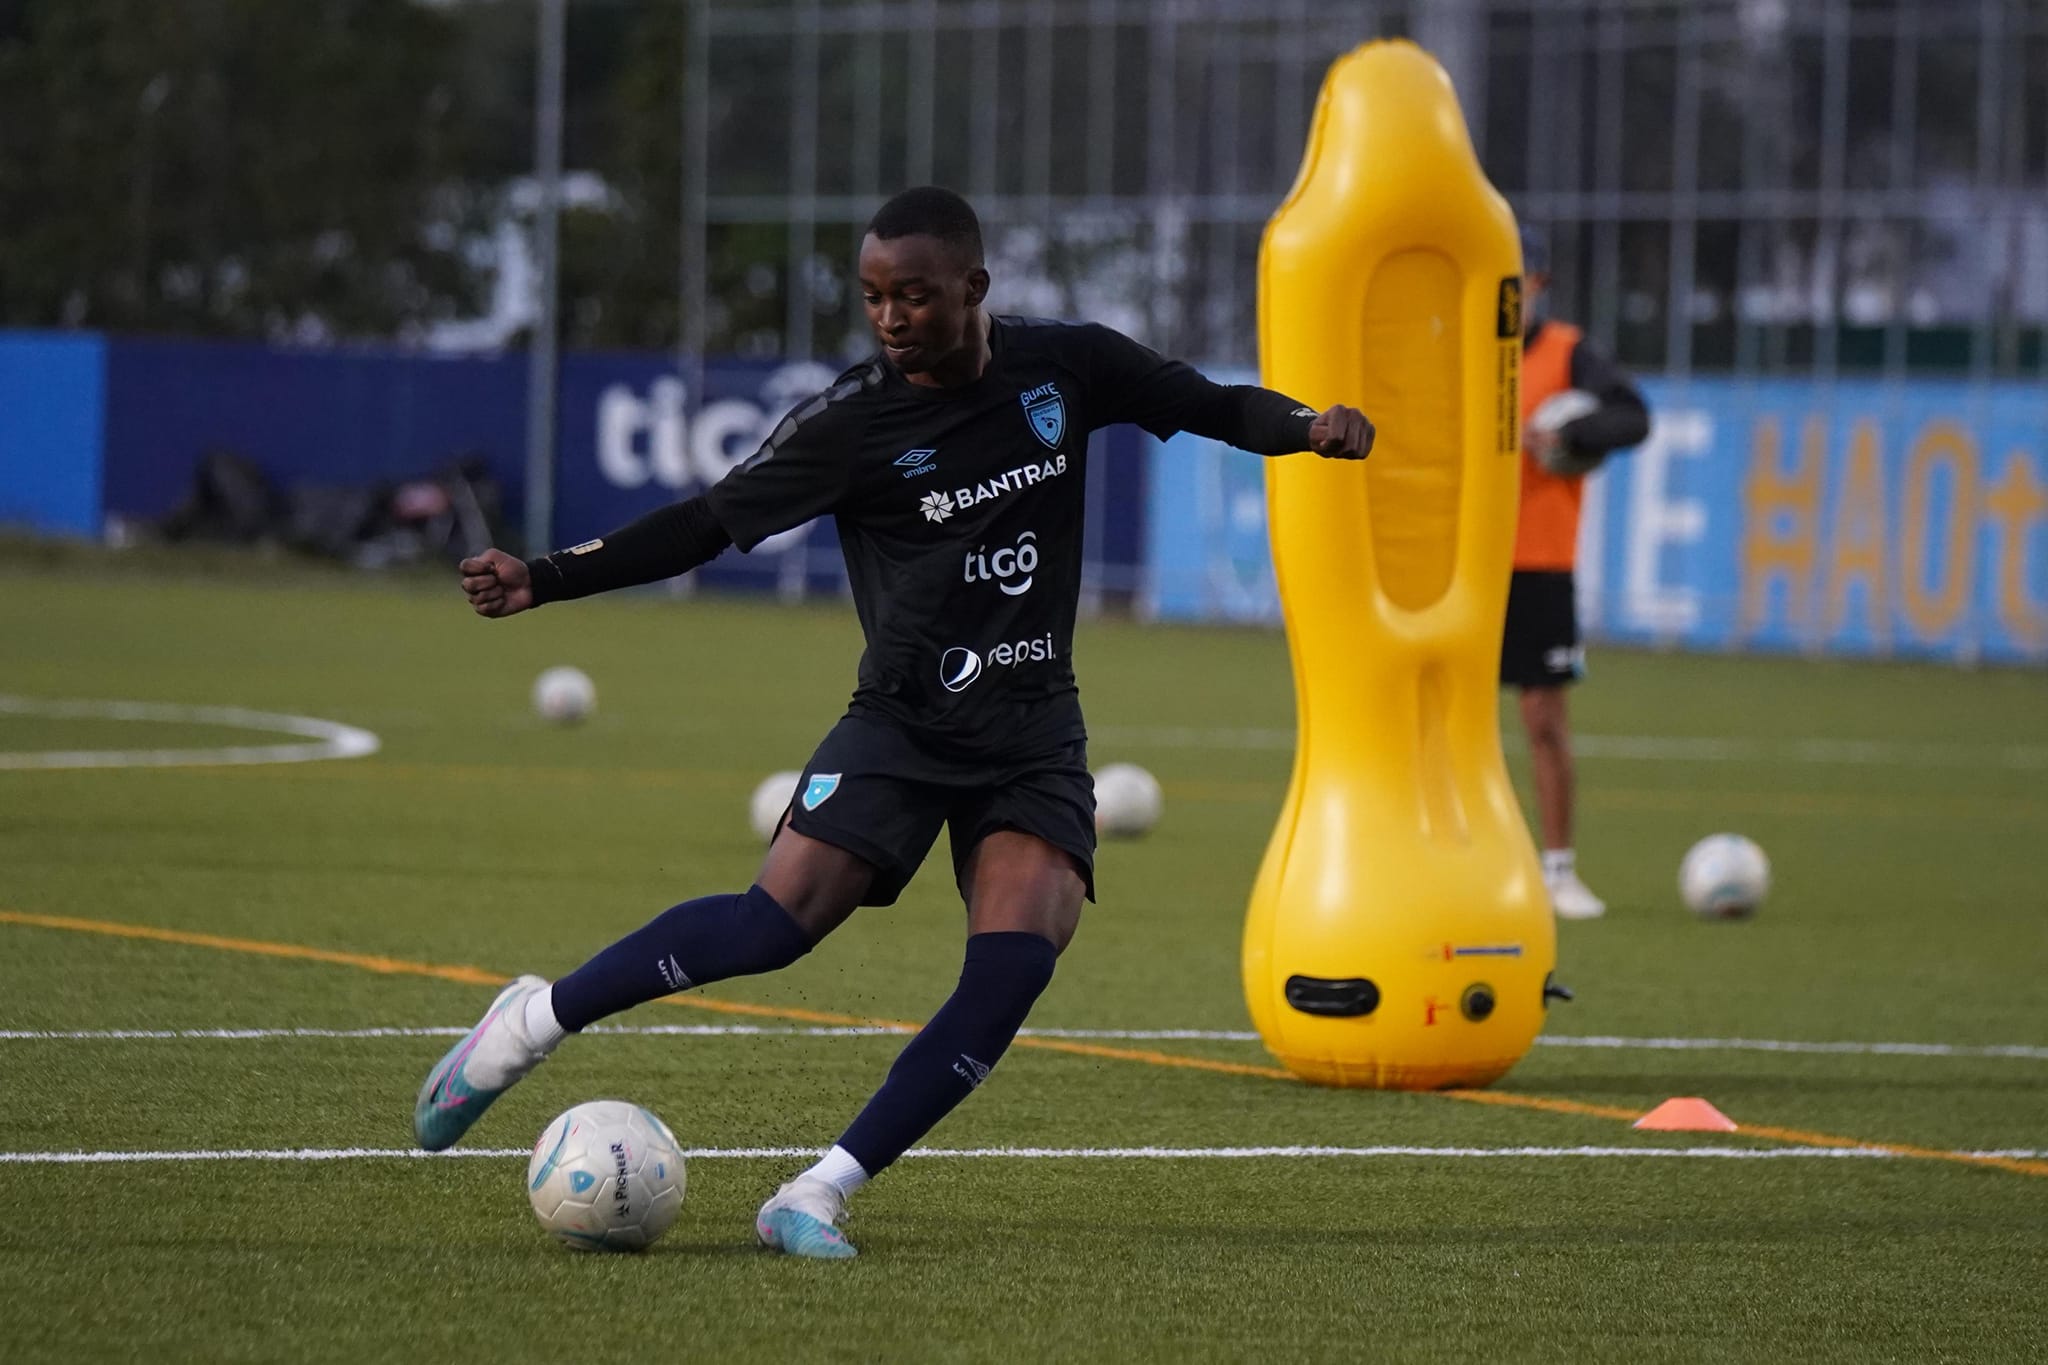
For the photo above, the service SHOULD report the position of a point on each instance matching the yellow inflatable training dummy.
(1398, 934)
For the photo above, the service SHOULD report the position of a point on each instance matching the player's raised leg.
(1024, 900)
(806, 890)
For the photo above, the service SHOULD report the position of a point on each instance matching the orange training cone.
(1686, 1116)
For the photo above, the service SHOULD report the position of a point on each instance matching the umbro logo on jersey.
(936, 506)
(975, 1072)
(916, 462)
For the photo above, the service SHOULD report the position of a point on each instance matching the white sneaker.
(802, 1220)
(483, 1066)
(1572, 898)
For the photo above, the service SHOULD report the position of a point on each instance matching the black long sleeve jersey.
(960, 514)
(1622, 419)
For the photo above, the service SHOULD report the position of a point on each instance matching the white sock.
(541, 1025)
(839, 1167)
(1559, 862)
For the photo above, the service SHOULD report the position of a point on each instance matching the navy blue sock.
(999, 982)
(693, 944)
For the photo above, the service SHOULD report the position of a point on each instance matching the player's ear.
(977, 286)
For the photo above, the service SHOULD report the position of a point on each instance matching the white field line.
(1015, 1154)
(1654, 748)
(332, 739)
(1784, 1045)
(2012, 1050)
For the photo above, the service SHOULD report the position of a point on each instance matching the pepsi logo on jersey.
(1009, 568)
(960, 667)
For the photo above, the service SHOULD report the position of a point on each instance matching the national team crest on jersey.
(1047, 413)
(821, 789)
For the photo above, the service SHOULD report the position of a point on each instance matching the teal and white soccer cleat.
(802, 1219)
(483, 1066)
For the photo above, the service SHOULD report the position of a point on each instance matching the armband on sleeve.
(669, 541)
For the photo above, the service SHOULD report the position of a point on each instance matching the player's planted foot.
(802, 1220)
(483, 1066)
(1572, 898)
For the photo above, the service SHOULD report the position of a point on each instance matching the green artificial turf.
(1909, 907)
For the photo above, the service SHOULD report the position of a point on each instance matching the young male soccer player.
(1540, 653)
(965, 431)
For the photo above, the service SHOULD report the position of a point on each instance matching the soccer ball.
(1552, 414)
(769, 801)
(564, 695)
(1724, 876)
(606, 1176)
(1127, 801)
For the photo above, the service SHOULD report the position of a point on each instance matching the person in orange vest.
(1578, 407)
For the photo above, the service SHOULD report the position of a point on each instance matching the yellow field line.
(1549, 1105)
(1807, 1139)
(389, 966)
(477, 976)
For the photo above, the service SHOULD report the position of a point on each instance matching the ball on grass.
(1724, 876)
(1128, 801)
(769, 801)
(564, 695)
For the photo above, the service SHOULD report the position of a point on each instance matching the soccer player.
(964, 436)
(1540, 654)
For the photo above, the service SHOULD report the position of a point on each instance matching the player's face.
(921, 299)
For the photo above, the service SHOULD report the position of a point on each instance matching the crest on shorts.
(1047, 413)
(820, 790)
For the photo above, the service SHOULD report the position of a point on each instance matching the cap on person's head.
(1535, 250)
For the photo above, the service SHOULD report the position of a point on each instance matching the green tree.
(621, 265)
(233, 167)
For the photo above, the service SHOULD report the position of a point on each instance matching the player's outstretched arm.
(668, 541)
(497, 584)
(1136, 384)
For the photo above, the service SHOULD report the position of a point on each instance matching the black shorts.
(1540, 647)
(876, 792)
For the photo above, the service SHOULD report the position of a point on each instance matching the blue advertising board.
(52, 418)
(632, 438)
(305, 417)
(1859, 518)
(93, 427)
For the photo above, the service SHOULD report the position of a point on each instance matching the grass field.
(1906, 810)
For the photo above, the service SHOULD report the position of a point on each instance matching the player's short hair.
(929, 211)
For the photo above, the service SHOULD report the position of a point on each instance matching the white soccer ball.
(769, 801)
(1127, 801)
(1724, 876)
(606, 1176)
(1568, 405)
(1552, 414)
(564, 695)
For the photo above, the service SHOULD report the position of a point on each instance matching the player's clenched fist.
(1341, 434)
(497, 584)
